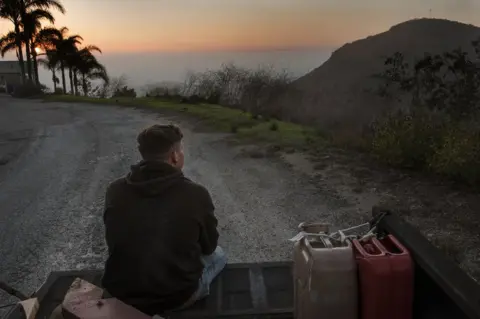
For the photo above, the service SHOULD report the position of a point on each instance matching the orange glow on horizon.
(243, 25)
(117, 48)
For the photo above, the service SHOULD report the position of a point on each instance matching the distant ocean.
(142, 69)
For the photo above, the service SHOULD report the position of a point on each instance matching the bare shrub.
(247, 89)
(260, 86)
(164, 90)
(107, 90)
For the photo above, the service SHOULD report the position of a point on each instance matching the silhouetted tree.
(448, 82)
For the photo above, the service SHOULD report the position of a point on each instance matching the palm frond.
(9, 10)
(64, 30)
(9, 37)
(50, 31)
(75, 39)
(47, 38)
(7, 48)
(102, 75)
(40, 14)
(45, 4)
(8, 43)
(91, 48)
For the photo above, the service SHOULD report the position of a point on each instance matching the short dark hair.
(157, 140)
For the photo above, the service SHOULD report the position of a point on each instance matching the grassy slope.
(278, 133)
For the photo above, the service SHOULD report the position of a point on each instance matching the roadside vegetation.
(440, 130)
(223, 99)
(38, 45)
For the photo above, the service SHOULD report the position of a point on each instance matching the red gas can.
(402, 278)
(375, 277)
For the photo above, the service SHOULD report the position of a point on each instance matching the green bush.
(430, 141)
(124, 92)
(408, 139)
(256, 117)
(458, 156)
(274, 126)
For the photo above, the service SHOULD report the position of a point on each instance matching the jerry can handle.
(324, 226)
(306, 251)
(327, 242)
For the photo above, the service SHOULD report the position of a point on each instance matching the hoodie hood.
(153, 178)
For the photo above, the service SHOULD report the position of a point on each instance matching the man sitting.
(161, 230)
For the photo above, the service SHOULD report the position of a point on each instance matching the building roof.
(9, 67)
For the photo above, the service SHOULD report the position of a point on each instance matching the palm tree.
(81, 58)
(95, 74)
(31, 12)
(89, 68)
(31, 26)
(10, 10)
(44, 41)
(66, 48)
(51, 62)
(17, 11)
(70, 60)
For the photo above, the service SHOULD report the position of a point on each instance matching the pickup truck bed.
(265, 290)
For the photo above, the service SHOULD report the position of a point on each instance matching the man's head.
(162, 143)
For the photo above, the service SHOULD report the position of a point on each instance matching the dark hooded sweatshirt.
(158, 223)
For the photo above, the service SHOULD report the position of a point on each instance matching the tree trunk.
(84, 84)
(27, 37)
(20, 52)
(75, 81)
(35, 64)
(29, 59)
(70, 75)
(62, 67)
(54, 79)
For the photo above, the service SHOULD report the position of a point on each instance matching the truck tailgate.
(261, 290)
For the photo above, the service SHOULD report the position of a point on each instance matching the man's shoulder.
(195, 188)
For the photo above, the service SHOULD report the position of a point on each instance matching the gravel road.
(56, 160)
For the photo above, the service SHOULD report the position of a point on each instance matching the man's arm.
(107, 203)
(208, 226)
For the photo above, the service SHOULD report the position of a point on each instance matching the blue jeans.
(212, 266)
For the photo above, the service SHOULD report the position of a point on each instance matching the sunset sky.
(193, 25)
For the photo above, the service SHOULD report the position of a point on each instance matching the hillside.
(337, 93)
